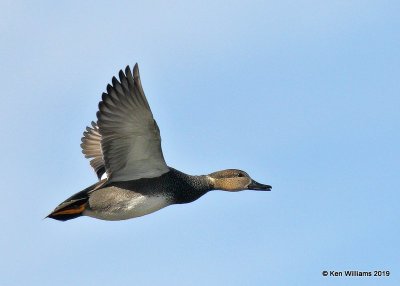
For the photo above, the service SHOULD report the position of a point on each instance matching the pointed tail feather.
(69, 210)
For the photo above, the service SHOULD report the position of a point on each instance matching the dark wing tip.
(98, 114)
(127, 70)
(136, 71)
(104, 95)
(114, 81)
(121, 75)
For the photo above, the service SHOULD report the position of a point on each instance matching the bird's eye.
(240, 175)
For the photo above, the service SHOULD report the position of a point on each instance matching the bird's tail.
(74, 206)
(69, 210)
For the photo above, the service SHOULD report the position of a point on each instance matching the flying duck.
(124, 145)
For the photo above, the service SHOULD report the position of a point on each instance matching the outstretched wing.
(91, 148)
(130, 137)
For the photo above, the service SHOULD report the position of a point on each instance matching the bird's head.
(234, 180)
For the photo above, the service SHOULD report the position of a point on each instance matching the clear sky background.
(303, 95)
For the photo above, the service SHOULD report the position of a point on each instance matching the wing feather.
(91, 148)
(130, 137)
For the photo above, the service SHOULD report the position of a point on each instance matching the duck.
(124, 149)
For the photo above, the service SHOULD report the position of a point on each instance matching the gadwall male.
(125, 145)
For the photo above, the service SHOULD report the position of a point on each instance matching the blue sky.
(303, 95)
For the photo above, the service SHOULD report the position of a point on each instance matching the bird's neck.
(192, 187)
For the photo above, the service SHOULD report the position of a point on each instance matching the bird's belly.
(123, 204)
